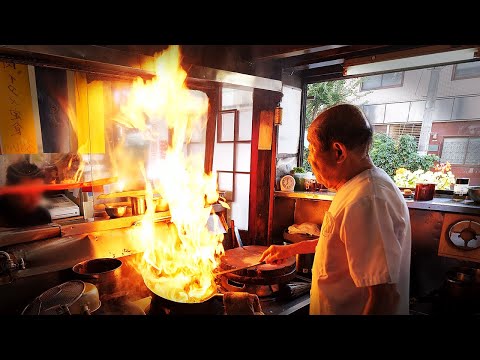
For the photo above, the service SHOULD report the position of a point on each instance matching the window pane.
(473, 152)
(236, 98)
(397, 112)
(392, 79)
(375, 113)
(227, 126)
(467, 70)
(371, 82)
(454, 150)
(245, 124)
(243, 157)
(240, 207)
(223, 157)
(417, 109)
(225, 181)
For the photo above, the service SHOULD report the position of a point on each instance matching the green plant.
(390, 155)
(298, 170)
(324, 94)
(306, 165)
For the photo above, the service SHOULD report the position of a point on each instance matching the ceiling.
(301, 63)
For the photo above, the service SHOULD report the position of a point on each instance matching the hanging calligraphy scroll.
(17, 124)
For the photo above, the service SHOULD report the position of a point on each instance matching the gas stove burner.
(260, 290)
(211, 306)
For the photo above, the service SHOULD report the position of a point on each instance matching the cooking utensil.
(239, 269)
(474, 193)
(103, 272)
(247, 271)
(70, 298)
(462, 288)
(115, 211)
(235, 234)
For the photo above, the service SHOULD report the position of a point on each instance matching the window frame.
(466, 152)
(381, 87)
(455, 77)
(234, 142)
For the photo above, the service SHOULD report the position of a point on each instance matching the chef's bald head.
(342, 123)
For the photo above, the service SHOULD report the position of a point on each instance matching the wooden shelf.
(321, 195)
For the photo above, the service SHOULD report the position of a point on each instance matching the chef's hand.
(276, 254)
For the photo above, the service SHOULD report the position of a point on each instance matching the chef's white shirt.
(365, 240)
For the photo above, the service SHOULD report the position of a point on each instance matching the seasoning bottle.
(87, 204)
(460, 189)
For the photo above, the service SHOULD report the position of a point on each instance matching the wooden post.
(262, 168)
(213, 109)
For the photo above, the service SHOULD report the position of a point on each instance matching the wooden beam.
(262, 168)
(393, 55)
(214, 104)
(271, 52)
(332, 54)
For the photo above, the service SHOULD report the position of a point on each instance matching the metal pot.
(102, 272)
(474, 193)
(71, 298)
(462, 288)
(212, 305)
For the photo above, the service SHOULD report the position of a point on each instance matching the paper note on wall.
(265, 131)
(17, 125)
(89, 123)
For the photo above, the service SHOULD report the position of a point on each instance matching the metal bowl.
(115, 211)
(474, 193)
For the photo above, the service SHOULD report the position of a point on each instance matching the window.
(397, 130)
(461, 150)
(466, 70)
(231, 156)
(382, 81)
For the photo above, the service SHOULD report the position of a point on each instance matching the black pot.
(462, 289)
(161, 306)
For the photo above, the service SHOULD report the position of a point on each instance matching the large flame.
(179, 257)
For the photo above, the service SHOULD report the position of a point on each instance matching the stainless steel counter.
(443, 204)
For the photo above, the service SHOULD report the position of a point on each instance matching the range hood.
(101, 60)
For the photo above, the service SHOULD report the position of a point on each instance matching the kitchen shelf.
(439, 203)
(313, 195)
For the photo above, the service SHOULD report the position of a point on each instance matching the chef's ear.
(340, 152)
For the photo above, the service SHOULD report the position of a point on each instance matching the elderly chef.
(362, 258)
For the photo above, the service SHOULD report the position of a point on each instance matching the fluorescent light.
(412, 62)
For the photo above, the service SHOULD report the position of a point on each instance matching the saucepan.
(102, 272)
(462, 285)
(70, 298)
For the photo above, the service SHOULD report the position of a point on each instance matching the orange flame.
(180, 257)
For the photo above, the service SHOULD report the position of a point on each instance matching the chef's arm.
(277, 253)
(303, 247)
(382, 300)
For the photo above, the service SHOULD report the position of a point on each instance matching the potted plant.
(299, 174)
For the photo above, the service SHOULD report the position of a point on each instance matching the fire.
(179, 257)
